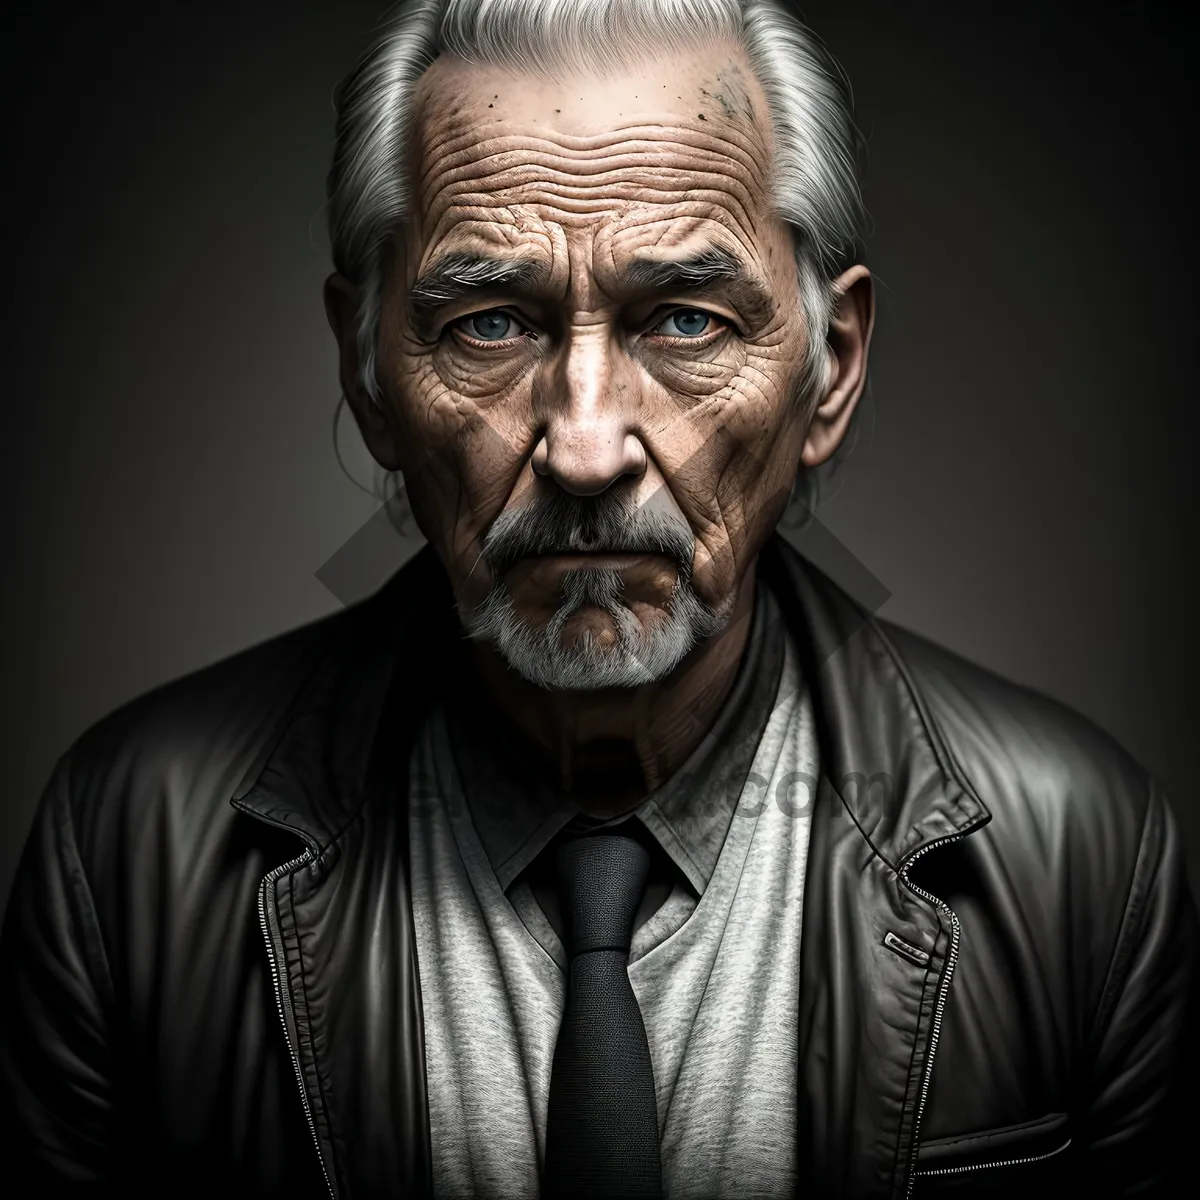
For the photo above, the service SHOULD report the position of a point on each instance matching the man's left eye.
(685, 322)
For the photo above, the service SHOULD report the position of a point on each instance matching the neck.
(611, 748)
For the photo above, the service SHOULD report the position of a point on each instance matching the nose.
(589, 440)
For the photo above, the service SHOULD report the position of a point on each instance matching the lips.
(644, 575)
(596, 559)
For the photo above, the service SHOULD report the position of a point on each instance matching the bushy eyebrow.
(457, 275)
(453, 276)
(712, 265)
(713, 268)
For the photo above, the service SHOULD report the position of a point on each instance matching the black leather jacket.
(208, 969)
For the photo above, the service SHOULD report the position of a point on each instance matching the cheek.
(695, 380)
(730, 462)
(486, 379)
(706, 411)
(738, 443)
(462, 452)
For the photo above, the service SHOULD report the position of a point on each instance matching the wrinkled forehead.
(679, 142)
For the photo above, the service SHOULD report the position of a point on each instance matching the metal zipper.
(262, 918)
(940, 1005)
(1008, 1162)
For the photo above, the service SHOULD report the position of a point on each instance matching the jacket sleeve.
(1136, 1133)
(56, 992)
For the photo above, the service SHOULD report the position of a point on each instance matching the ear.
(341, 310)
(848, 342)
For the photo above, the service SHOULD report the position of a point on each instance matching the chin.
(600, 629)
(593, 640)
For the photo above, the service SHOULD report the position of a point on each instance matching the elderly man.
(610, 849)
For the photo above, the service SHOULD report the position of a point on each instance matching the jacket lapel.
(866, 1010)
(876, 954)
(337, 919)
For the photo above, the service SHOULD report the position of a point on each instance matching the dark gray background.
(1022, 483)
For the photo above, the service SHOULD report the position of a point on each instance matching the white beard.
(636, 657)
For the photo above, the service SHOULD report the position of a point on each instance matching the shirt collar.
(517, 810)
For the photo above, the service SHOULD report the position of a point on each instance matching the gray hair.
(808, 97)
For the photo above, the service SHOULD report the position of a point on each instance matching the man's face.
(553, 390)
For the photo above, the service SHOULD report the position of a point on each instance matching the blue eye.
(685, 322)
(493, 326)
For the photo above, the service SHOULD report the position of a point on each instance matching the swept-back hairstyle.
(816, 144)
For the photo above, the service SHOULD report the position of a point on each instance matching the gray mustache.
(560, 523)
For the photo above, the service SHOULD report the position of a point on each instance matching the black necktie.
(602, 1125)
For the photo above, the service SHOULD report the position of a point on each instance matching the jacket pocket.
(1032, 1157)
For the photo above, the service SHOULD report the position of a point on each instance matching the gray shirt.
(518, 807)
(716, 975)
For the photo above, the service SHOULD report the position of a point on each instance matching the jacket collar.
(882, 753)
(868, 1012)
(349, 725)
